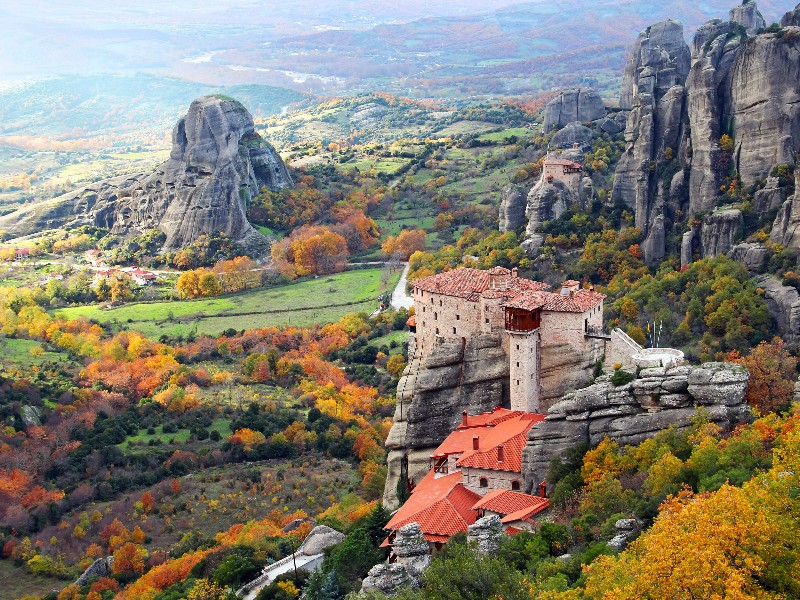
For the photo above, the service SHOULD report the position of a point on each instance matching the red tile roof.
(441, 506)
(470, 283)
(515, 506)
(577, 302)
(412, 321)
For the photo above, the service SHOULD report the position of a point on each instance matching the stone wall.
(631, 413)
(496, 480)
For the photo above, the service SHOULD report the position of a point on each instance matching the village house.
(142, 277)
(475, 472)
(552, 338)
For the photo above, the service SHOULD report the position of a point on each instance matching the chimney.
(464, 416)
(543, 489)
(515, 272)
(475, 442)
(500, 453)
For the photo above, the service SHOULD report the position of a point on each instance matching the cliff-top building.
(560, 329)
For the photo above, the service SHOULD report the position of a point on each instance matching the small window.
(437, 331)
(517, 349)
(435, 316)
(423, 309)
(487, 321)
(454, 330)
(517, 381)
(458, 317)
(515, 486)
(518, 365)
(431, 300)
(483, 482)
(440, 302)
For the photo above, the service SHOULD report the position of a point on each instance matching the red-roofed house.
(541, 330)
(477, 470)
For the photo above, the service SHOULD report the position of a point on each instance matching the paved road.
(400, 299)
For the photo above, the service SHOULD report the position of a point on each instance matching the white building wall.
(496, 480)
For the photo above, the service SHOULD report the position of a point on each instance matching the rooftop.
(442, 506)
(515, 506)
(469, 283)
(578, 301)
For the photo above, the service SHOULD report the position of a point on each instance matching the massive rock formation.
(737, 81)
(217, 164)
(631, 413)
(721, 230)
(573, 105)
(655, 135)
(512, 208)
(748, 15)
(431, 396)
(783, 302)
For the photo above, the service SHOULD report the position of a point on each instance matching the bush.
(621, 377)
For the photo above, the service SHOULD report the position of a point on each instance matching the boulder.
(101, 567)
(387, 579)
(580, 105)
(751, 255)
(486, 532)
(718, 383)
(720, 232)
(320, 539)
(783, 302)
(411, 549)
(614, 123)
(770, 197)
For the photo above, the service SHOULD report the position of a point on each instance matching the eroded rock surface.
(631, 413)
(486, 533)
(580, 105)
(512, 208)
(217, 164)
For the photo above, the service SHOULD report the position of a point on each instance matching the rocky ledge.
(657, 399)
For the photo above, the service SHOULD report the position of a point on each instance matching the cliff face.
(512, 208)
(431, 396)
(573, 105)
(217, 163)
(735, 81)
(653, 90)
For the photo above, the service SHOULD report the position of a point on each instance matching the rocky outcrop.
(748, 15)
(614, 123)
(791, 18)
(486, 533)
(512, 208)
(572, 134)
(412, 555)
(768, 198)
(217, 164)
(751, 255)
(101, 567)
(721, 230)
(581, 105)
(547, 201)
(786, 227)
(658, 398)
(320, 539)
(655, 134)
(627, 530)
(431, 396)
(783, 302)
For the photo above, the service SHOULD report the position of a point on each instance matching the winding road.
(400, 298)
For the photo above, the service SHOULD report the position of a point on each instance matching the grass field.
(321, 300)
(17, 582)
(393, 336)
(19, 352)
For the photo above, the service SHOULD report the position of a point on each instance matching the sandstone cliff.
(655, 135)
(217, 163)
(431, 396)
(657, 399)
(512, 208)
(573, 105)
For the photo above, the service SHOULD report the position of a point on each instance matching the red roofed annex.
(552, 337)
(476, 471)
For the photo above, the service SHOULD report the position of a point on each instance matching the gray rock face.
(657, 399)
(387, 579)
(768, 198)
(655, 134)
(627, 530)
(571, 134)
(512, 208)
(581, 105)
(99, 568)
(320, 539)
(547, 201)
(714, 50)
(411, 549)
(751, 255)
(783, 302)
(786, 227)
(720, 232)
(431, 397)
(791, 18)
(614, 123)
(486, 532)
(217, 163)
(748, 15)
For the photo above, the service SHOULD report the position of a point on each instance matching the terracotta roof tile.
(577, 302)
(492, 428)
(471, 283)
(515, 506)
(442, 506)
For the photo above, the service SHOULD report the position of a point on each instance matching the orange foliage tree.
(404, 245)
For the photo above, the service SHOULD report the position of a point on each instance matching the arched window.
(515, 486)
(483, 482)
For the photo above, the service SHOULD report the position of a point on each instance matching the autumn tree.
(772, 374)
(404, 245)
